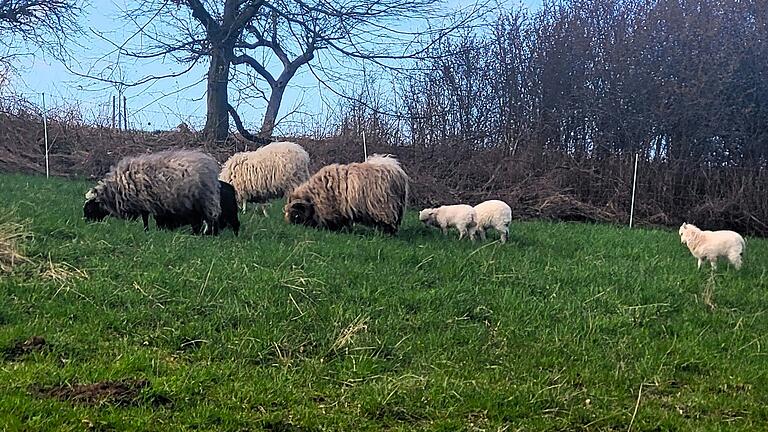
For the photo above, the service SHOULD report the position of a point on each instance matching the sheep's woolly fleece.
(172, 181)
(460, 216)
(710, 245)
(493, 214)
(374, 192)
(270, 172)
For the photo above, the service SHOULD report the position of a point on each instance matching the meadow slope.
(291, 329)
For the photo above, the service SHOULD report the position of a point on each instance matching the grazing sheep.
(270, 172)
(173, 182)
(712, 244)
(373, 193)
(493, 214)
(227, 217)
(459, 216)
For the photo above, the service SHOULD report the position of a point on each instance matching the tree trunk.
(273, 107)
(217, 116)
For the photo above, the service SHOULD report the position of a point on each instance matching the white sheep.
(459, 216)
(493, 214)
(712, 244)
(270, 172)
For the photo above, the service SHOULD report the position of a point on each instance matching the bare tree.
(269, 41)
(44, 24)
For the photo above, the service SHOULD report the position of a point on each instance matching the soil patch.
(122, 393)
(33, 344)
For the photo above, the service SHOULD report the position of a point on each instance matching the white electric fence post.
(365, 148)
(45, 134)
(634, 187)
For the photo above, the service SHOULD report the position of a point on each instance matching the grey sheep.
(173, 182)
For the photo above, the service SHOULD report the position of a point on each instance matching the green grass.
(291, 329)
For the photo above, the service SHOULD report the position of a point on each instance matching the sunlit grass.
(291, 329)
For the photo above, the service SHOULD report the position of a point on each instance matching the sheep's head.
(94, 210)
(427, 216)
(687, 232)
(300, 212)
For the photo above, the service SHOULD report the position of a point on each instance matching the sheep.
(493, 214)
(227, 217)
(460, 216)
(172, 182)
(712, 244)
(270, 172)
(373, 193)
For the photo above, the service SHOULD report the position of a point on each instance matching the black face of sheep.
(93, 211)
(300, 213)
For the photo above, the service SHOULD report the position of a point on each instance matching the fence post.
(45, 134)
(125, 113)
(634, 187)
(113, 111)
(365, 149)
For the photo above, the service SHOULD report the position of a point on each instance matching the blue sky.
(166, 103)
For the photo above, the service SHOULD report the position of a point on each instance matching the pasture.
(286, 328)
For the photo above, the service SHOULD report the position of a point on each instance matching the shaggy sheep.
(459, 216)
(173, 182)
(270, 172)
(712, 244)
(493, 214)
(374, 193)
(227, 217)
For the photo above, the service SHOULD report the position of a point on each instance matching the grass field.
(567, 327)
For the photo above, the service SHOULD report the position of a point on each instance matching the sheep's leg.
(264, 209)
(504, 234)
(735, 259)
(462, 232)
(444, 229)
(713, 263)
(481, 231)
(145, 219)
(698, 267)
(245, 203)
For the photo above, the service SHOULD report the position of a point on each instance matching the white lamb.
(459, 216)
(712, 244)
(493, 214)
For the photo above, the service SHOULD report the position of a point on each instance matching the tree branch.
(252, 62)
(244, 133)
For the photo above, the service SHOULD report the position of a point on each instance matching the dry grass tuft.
(12, 237)
(358, 325)
(707, 296)
(62, 273)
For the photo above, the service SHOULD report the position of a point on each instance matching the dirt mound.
(120, 393)
(22, 348)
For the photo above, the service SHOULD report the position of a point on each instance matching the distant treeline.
(669, 79)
